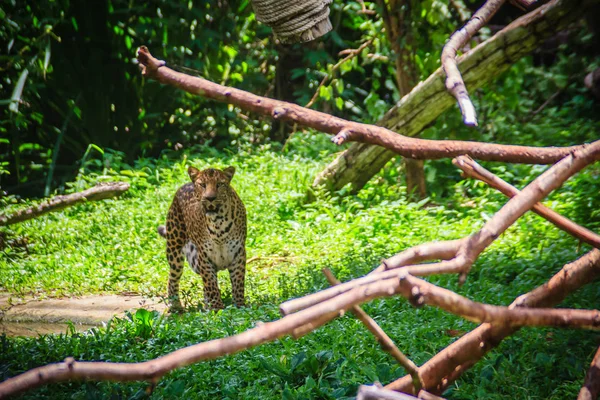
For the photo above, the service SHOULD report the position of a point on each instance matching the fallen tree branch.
(591, 386)
(387, 344)
(460, 254)
(366, 392)
(420, 292)
(101, 191)
(454, 81)
(474, 170)
(153, 370)
(347, 130)
(449, 364)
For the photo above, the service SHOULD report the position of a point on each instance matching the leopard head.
(212, 186)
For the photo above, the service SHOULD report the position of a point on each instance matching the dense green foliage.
(112, 246)
(69, 78)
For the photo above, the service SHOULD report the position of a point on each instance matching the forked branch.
(474, 170)
(449, 364)
(459, 255)
(347, 130)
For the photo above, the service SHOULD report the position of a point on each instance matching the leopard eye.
(220, 184)
(203, 185)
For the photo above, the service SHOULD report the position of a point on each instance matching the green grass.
(112, 247)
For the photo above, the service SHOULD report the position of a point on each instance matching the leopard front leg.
(175, 258)
(237, 274)
(176, 238)
(212, 295)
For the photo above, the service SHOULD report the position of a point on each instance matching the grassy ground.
(112, 247)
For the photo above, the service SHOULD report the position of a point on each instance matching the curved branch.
(474, 170)
(351, 131)
(420, 292)
(454, 81)
(591, 386)
(450, 363)
(101, 191)
(153, 370)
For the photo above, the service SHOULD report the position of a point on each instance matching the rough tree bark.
(428, 100)
(99, 192)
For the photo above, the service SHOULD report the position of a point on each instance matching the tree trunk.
(415, 179)
(429, 99)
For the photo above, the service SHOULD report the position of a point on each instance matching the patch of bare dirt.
(23, 317)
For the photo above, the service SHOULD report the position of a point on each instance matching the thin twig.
(387, 344)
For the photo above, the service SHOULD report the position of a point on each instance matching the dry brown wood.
(153, 370)
(449, 364)
(474, 170)
(420, 292)
(347, 130)
(591, 386)
(387, 344)
(454, 81)
(101, 191)
(464, 251)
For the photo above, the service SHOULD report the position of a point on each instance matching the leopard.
(206, 224)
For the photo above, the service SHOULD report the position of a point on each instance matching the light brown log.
(101, 191)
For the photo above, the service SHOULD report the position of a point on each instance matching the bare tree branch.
(366, 392)
(474, 170)
(101, 191)
(449, 364)
(591, 386)
(347, 130)
(420, 292)
(387, 344)
(465, 251)
(454, 81)
(153, 370)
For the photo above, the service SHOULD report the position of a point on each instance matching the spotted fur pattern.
(206, 224)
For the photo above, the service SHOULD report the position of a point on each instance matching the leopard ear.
(229, 171)
(193, 173)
